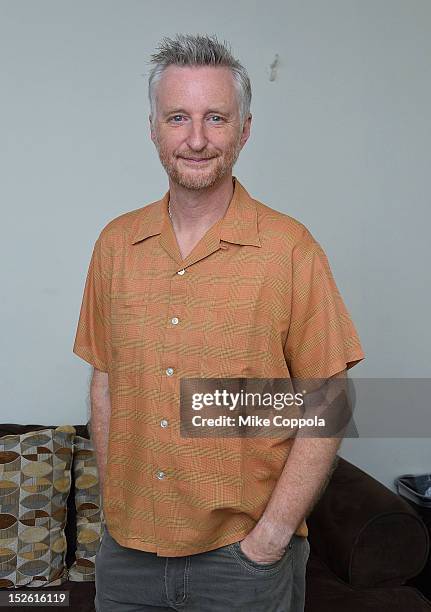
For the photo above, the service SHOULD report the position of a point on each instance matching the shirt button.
(169, 371)
(175, 321)
(160, 475)
(163, 423)
(180, 272)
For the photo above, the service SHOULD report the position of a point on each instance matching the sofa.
(367, 545)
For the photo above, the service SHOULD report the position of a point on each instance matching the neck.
(195, 210)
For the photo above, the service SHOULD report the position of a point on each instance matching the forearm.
(306, 471)
(304, 476)
(99, 421)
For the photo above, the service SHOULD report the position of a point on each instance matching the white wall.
(340, 141)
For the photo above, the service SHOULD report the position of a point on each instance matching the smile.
(196, 161)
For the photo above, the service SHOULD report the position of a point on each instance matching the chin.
(196, 182)
(199, 178)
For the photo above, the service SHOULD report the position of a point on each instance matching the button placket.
(165, 423)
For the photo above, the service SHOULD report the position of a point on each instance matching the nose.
(197, 139)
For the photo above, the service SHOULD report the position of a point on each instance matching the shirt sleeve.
(91, 335)
(322, 339)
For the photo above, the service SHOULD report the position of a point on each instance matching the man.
(205, 283)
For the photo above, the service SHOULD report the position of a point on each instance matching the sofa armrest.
(365, 533)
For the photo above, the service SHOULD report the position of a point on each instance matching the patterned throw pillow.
(35, 477)
(89, 512)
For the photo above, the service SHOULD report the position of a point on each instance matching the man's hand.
(265, 543)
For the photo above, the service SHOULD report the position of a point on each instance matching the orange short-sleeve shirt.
(255, 298)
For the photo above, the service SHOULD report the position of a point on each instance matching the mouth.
(196, 161)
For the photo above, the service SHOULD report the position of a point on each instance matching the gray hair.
(196, 50)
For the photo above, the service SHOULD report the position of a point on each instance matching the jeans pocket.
(257, 567)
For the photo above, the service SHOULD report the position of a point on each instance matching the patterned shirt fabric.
(255, 298)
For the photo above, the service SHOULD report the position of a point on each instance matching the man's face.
(197, 129)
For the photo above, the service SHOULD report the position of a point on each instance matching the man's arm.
(305, 475)
(99, 421)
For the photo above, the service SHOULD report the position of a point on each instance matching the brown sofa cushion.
(365, 533)
(325, 592)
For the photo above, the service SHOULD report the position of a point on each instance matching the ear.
(246, 130)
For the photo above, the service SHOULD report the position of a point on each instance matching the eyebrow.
(182, 110)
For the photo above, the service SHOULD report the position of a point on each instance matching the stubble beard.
(198, 178)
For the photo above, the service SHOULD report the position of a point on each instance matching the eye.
(217, 117)
(175, 117)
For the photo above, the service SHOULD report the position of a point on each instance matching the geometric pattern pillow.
(35, 477)
(89, 512)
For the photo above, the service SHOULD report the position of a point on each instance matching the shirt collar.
(239, 224)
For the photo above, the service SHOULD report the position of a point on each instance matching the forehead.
(192, 85)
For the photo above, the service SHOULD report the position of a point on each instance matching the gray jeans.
(220, 580)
